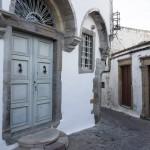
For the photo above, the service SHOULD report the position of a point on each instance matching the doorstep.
(48, 139)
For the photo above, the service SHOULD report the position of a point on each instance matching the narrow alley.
(116, 131)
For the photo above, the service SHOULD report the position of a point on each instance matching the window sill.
(83, 71)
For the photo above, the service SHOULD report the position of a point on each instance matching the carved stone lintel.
(3, 25)
(71, 42)
(2, 21)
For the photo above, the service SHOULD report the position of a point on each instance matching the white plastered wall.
(77, 89)
(81, 8)
(6, 4)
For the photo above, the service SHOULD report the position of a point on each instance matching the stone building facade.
(127, 79)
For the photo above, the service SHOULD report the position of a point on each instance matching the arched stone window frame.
(104, 48)
(102, 33)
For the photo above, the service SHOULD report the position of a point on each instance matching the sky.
(134, 13)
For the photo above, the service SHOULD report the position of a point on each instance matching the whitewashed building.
(50, 52)
(127, 79)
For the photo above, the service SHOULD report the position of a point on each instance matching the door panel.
(20, 96)
(20, 68)
(43, 91)
(43, 110)
(20, 83)
(44, 70)
(20, 44)
(31, 81)
(44, 49)
(126, 86)
(19, 116)
(43, 79)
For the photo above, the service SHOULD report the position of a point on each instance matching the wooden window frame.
(121, 63)
(87, 70)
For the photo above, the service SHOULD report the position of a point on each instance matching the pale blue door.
(31, 81)
(43, 67)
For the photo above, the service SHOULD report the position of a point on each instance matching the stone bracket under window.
(71, 42)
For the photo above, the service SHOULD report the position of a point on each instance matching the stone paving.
(116, 131)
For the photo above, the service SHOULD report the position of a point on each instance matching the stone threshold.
(47, 139)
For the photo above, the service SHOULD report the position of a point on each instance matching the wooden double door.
(31, 81)
(126, 98)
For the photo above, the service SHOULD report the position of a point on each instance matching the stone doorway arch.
(65, 38)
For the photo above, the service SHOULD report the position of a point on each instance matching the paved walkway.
(115, 132)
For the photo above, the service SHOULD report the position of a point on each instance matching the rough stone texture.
(116, 131)
(100, 66)
(63, 139)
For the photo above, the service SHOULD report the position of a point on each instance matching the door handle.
(35, 85)
(20, 70)
(44, 70)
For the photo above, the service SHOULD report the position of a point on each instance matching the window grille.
(34, 11)
(86, 52)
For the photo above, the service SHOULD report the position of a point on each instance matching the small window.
(86, 62)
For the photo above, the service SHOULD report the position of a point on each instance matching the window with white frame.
(86, 62)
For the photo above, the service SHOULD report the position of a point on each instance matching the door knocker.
(44, 70)
(20, 68)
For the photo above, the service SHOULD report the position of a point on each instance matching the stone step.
(47, 139)
(54, 146)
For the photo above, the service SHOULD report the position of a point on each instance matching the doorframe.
(145, 63)
(14, 23)
(124, 62)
